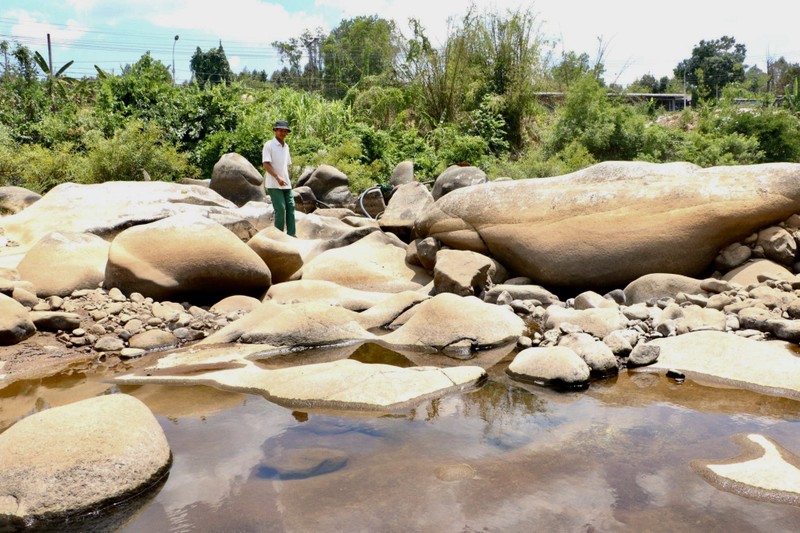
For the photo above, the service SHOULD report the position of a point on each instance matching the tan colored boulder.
(375, 263)
(611, 223)
(599, 321)
(107, 208)
(456, 177)
(301, 325)
(345, 385)
(15, 322)
(553, 365)
(282, 253)
(764, 471)
(408, 202)
(61, 263)
(658, 285)
(755, 271)
(327, 292)
(86, 455)
(466, 273)
(236, 179)
(771, 366)
(184, 256)
(14, 199)
(462, 325)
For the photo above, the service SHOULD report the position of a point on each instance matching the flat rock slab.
(78, 457)
(342, 385)
(764, 471)
(771, 367)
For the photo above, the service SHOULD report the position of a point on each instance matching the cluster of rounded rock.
(595, 335)
(105, 321)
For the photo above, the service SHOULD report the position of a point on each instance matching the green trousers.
(283, 204)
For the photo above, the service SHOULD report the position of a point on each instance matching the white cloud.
(30, 25)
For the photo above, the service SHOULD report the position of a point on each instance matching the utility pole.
(49, 55)
(173, 58)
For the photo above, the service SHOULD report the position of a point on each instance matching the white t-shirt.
(280, 159)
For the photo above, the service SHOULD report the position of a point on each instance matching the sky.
(637, 37)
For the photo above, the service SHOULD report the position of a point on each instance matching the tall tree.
(211, 67)
(358, 48)
(713, 65)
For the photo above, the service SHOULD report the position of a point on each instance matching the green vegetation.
(367, 98)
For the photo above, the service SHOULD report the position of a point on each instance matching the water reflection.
(613, 458)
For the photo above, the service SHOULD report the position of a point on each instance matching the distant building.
(667, 101)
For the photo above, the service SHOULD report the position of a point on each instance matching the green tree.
(211, 67)
(713, 65)
(57, 82)
(358, 48)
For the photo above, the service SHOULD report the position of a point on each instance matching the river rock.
(754, 271)
(408, 202)
(184, 255)
(763, 366)
(60, 263)
(301, 325)
(15, 322)
(622, 220)
(471, 325)
(598, 321)
(105, 209)
(554, 365)
(659, 285)
(14, 199)
(343, 385)
(764, 471)
(465, 273)
(598, 356)
(81, 456)
(402, 173)
(327, 292)
(376, 262)
(236, 179)
(778, 245)
(456, 177)
(282, 253)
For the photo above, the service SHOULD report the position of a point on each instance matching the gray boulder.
(236, 179)
(456, 177)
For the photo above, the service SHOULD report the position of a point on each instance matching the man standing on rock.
(276, 160)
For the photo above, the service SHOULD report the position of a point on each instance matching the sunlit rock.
(764, 471)
(81, 456)
(608, 224)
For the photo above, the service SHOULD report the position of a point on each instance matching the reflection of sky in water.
(613, 458)
(544, 461)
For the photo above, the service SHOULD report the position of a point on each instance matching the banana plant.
(57, 82)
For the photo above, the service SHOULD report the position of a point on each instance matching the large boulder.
(456, 325)
(107, 208)
(15, 199)
(456, 177)
(657, 285)
(236, 179)
(771, 366)
(328, 292)
(375, 263)
(300, 325)
(79, 457)
(330, 185)
(61, 263)
(184, 257)
(611, 223)
(408, 202)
